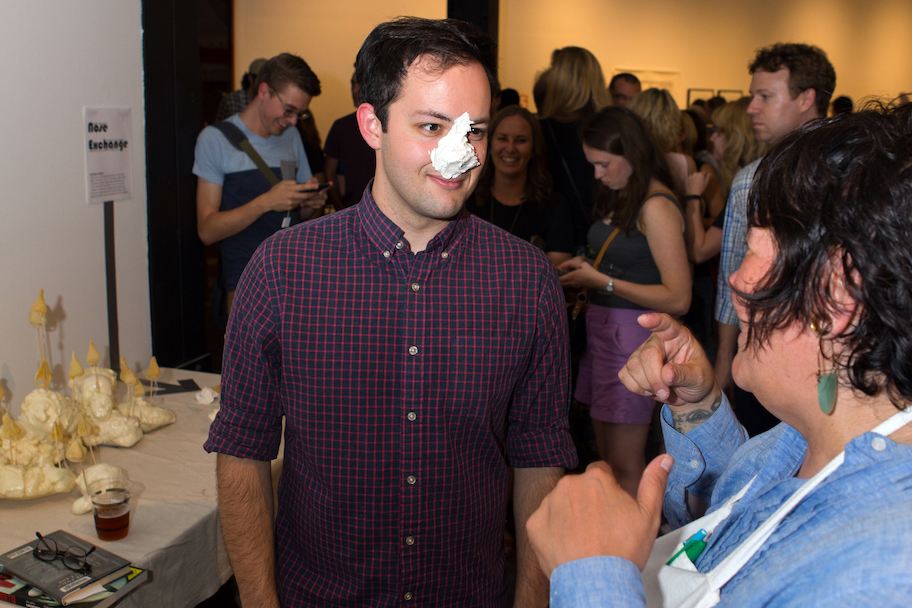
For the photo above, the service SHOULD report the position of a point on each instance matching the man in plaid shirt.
(415, 352)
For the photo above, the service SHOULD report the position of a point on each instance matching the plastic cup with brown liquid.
(111, 503)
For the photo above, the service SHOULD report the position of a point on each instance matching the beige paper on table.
(109, 154)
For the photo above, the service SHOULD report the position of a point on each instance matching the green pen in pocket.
(693, 547)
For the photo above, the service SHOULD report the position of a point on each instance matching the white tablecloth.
(174, 527)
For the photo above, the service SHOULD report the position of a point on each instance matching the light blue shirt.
(734, 241)
(215, 157)
(848, 543)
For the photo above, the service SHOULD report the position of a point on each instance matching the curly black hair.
(837, 198)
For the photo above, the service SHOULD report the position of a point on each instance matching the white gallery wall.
(62, 55)
(708, 43)
(326, 34)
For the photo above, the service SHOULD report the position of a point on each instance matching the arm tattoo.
(685, 423)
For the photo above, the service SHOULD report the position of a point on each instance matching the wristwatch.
(609, 288)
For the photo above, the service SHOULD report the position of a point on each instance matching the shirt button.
(399, 245)
(410, 540)
(407, 596)
(694, 464)
(411, 480)
(415, 287)
(386, 254)
(412, 416)
(413, 350)
(879, 444)
(445, 255)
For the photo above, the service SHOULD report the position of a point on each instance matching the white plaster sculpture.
(17, 481)
(83, 504)
(150, 417)
(95, 391)
(31, 465)
(42, 408)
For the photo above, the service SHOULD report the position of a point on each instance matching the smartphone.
(318, 188)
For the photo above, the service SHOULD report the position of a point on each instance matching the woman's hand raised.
(671, 367)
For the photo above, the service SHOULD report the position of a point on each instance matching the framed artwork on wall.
(730, 94)
(695, 94)
(659, 79)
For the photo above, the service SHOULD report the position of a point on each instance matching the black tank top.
(628, 257)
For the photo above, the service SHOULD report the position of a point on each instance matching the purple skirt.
(612, 334)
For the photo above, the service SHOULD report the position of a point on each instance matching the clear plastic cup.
(111, 503)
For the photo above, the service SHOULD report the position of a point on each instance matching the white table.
(174, 526)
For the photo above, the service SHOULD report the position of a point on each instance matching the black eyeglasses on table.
(73, 558)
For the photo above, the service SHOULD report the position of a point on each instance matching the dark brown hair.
(285, 69)
(808, 66)
(392, 47)
(619, 131)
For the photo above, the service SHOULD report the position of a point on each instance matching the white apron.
(682, 586)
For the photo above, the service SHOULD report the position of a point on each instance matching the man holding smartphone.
(415, 353)
(235, 202)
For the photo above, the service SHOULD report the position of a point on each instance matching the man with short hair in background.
(235, 101)
(791, 85)
(235, 202)
(412, 351)
(623, 88)
(350, 162)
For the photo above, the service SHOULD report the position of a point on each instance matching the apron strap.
(730, 566)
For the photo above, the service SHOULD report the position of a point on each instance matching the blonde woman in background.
(693, 144)
(734, 142)
(660, 114)
(574, 92)
(663, 120)
(734, 146)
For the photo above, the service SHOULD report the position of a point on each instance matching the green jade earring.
(826, 381)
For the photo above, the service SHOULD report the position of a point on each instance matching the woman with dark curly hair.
(816, 511)
(514, 191)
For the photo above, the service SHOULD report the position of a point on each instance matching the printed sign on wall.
(109, 155)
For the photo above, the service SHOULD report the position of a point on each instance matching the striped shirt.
(734, 241)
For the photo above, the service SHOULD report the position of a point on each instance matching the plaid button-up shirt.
(408, 384)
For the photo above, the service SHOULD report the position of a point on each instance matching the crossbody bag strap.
(233, 134)
(581, 296)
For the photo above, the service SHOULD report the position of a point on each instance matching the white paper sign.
(109, 154)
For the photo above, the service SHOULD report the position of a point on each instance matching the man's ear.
(807, 100)
(369, 125)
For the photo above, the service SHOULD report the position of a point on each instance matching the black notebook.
(54, 578)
